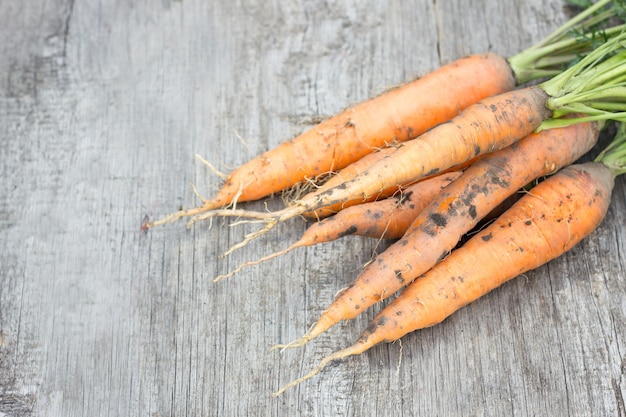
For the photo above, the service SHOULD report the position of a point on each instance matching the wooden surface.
(102, 107)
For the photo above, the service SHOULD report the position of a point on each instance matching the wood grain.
(102, 107)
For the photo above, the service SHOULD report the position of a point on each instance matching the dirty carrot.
(346, 174)
(544, 224)
(352, 171)
(398, 115)
(491, 124)
(383, 219)
(439, 227)
(391, 217)
(595, 86)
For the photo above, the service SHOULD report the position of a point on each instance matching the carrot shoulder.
(545, 223)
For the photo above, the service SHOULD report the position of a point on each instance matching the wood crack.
(66, 27)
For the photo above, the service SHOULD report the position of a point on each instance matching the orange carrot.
(593, 84)
(355, 169)
(391, 217)
(491, 124)
(541, 226)
(384, 219)
(398, 115)
(455, 211)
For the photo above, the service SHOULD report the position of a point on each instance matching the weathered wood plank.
(102, 106)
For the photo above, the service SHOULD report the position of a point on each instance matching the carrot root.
(177, 215)
(271, 219)
(211, 167)
(256, 262)
(355, 349)
(269, 216)
(269, 225)
(299, 342)
(319, 327)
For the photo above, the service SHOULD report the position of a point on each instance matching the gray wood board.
(102, 108)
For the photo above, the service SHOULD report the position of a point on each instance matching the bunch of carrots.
(429, 162)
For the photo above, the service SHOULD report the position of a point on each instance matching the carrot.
(455, 211)
(544, 224)
(384, 219)
(493, 123)
(593, 85)
(398, 115)
(352, 171)
(391, 217)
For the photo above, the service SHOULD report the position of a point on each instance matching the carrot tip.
(224, 276)
(293, 344)
(252, 263)
(146, 223)
(295, 382)
(317, 328)
(177, 215)
(349, 351)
